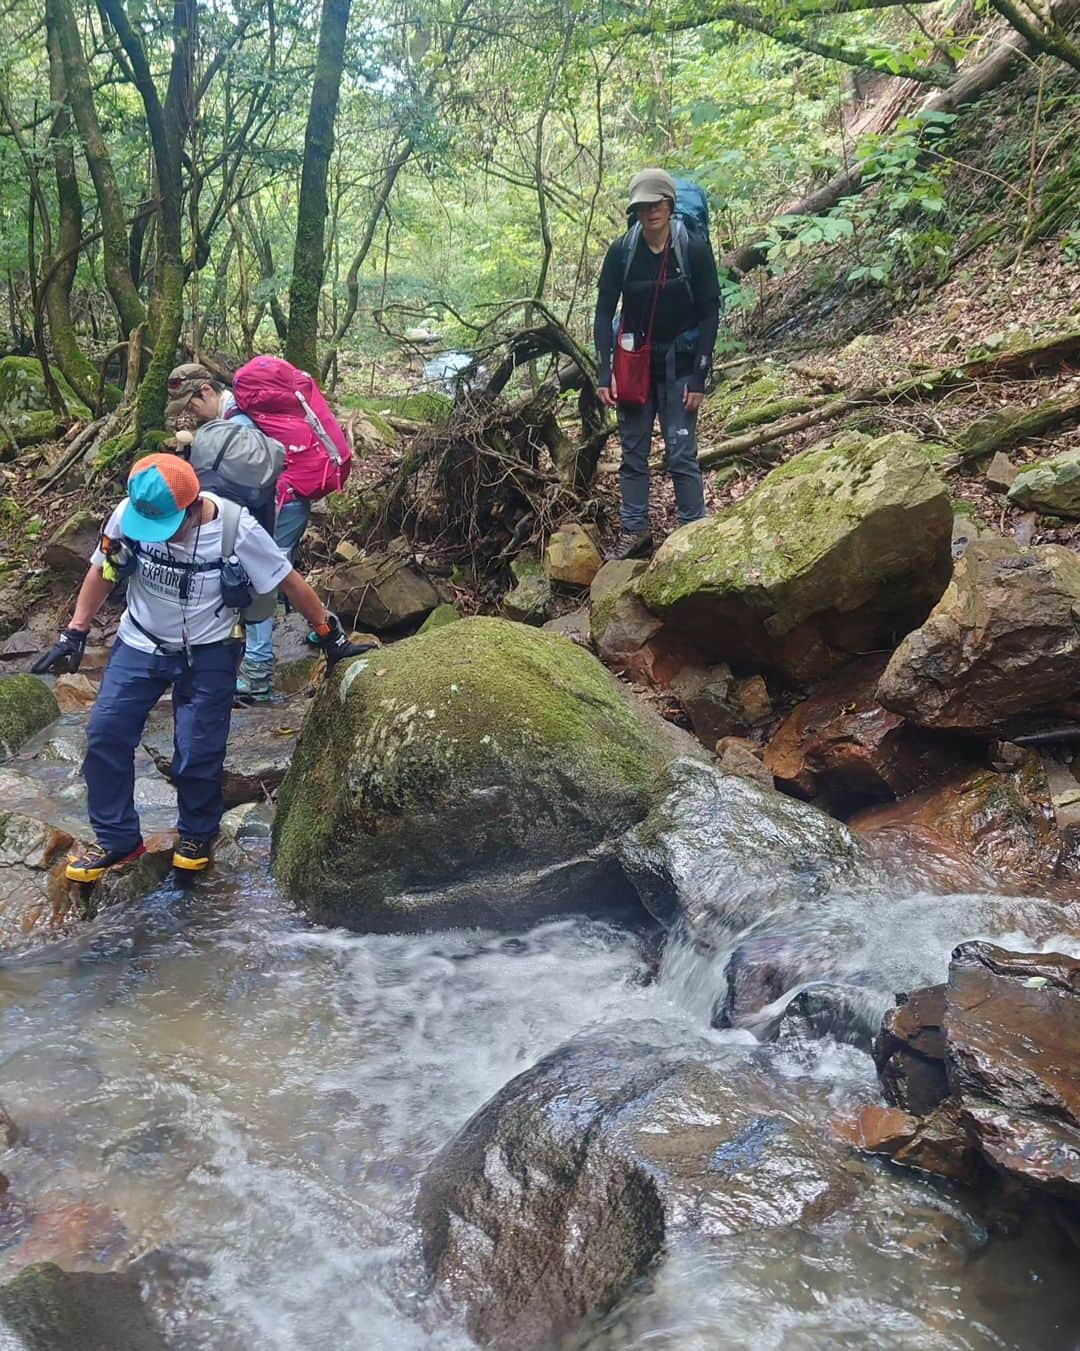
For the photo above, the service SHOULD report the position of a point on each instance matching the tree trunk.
(310, 250)
(168, 125)
(78, 370)
(114, 236)
(1002, 63)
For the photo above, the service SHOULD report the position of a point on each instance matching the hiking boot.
(252, 689)
(191, 854)
(631, 544)
(93, 862)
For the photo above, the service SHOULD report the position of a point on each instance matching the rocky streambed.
(512, 1014)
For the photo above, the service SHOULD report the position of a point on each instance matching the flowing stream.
(245, 1102)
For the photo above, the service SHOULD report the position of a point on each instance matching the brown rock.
(941, 1145)
(572, 556)
(382, 590)
(840, 742)
(910, 1051)
(1003, 640)
(707, 694)
(878, 1130)
(752, 696)
(74, 692)
(738, 755)
(575, 626)
(996, 829)
(1001, 472)
(71, 544)
(74, 1234)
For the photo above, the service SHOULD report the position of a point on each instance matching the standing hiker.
(169, 538)
(655, 364)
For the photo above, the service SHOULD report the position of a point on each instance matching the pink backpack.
(287, 404)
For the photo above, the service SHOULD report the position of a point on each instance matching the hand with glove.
(65, 656)
(334, 641)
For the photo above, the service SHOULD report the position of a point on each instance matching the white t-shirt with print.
(156, 596)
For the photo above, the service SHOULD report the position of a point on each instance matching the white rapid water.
(250, 1101)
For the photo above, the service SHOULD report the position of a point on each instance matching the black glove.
(65, 656)
(335, 643)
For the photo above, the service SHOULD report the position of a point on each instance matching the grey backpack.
(237, 461)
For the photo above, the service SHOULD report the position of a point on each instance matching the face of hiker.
(654, 216)
(203, 405)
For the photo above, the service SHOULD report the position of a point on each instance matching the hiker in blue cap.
(183, 595)
(654, 365)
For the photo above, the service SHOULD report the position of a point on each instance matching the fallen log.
(1053, 352)
(1012, 425)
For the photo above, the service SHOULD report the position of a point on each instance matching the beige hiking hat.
(184, 381)
(651, 185)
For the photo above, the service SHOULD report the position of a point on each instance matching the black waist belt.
(173, 650)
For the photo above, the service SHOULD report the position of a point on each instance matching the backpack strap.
(226, 442)
(680, 244)
(230, 526)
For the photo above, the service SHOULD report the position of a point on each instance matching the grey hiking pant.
(679, 431)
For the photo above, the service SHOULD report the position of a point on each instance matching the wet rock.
(1007, 1029)
(37, 902)
(78, 1233)
(69, 547)
(717, 853)
(835, 553)
(997, 830)
(262, 740)
(528, 601)
(848, 1014)
(910, 1051)
(1051, 486)
(26, 706)
(1003, 640)
(476, 774)
(572, 557)
(566, 1186)
(54, 1310)
(384, 590)
(840, 743)
(878, 1130)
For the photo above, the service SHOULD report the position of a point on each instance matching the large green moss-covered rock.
(841, 550)
(1051, 486)
(24, 404)
(26, 706)
(476, 773)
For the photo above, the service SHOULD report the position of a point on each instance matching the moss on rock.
(840, 550)
(26, 706)
(473, 773)
(24, 404)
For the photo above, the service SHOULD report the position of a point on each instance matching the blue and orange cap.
(160, 489)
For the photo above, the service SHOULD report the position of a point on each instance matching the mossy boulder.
(50, 1309)
(474, 774)
(840, 551)
(441, 616)
(425, 406)
(1050, 485)
(25, 411)
(26, 706)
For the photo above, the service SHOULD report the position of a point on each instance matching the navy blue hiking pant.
(202, 695)
(679, 429)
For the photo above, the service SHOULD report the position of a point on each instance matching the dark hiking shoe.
(93, 862)
(191, 854)
(631, 545)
